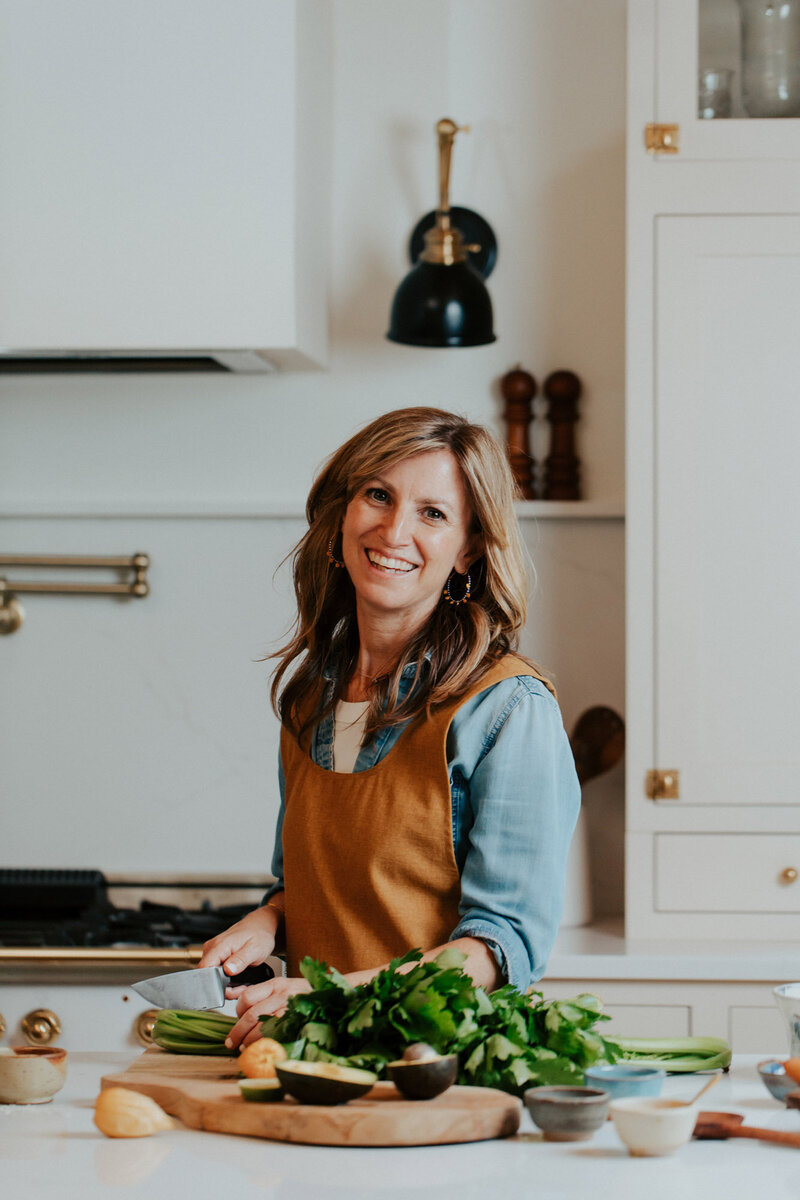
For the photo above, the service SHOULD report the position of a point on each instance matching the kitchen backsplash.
(138, 734)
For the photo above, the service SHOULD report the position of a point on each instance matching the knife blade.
(197, 987)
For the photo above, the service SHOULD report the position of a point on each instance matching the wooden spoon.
(598, 742)
(705, 1088)
(722, 1125)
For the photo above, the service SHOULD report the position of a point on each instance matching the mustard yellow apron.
(369, 864)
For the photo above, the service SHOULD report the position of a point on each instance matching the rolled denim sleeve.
(522, 797)
(277, 853)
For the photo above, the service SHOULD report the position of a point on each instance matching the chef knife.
(197, 988)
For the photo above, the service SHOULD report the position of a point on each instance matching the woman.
(428, 791)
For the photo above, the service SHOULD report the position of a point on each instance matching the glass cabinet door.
(736, 57)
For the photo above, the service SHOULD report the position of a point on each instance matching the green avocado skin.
(261, 1095)
(321, 1089)
(424, 1078)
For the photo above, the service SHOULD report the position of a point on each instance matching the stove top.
(51, 908)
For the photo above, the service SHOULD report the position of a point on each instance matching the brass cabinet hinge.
(661, 785)
(661, 139)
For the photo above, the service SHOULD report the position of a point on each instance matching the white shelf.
(574, 510)
(223, 509)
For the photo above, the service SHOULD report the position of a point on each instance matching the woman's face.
(403, 533)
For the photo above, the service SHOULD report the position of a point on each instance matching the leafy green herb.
(505, 1039)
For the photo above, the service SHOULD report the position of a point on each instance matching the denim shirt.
(515, 800)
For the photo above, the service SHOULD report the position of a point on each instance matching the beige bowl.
(31, 1074)
(651, 1127)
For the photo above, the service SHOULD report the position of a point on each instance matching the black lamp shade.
(442, 305)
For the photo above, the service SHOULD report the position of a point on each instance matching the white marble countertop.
(602, 951)
(53, 1151)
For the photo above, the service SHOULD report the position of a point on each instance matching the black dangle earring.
(331, 556)
(467, 582)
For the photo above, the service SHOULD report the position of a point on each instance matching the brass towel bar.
(12, 613)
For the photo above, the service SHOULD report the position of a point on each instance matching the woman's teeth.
(397, 565)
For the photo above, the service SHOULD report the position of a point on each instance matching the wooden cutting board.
(203, 1093)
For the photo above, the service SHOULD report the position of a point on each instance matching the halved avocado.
(324, 1082)
(423, 1078)
(263, 1090)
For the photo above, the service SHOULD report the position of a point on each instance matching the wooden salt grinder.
(519, 389)
(562, 467)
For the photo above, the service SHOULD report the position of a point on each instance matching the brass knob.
(789, 875)
(12, 614)
(2, 1024)
(144, 1025)
(41, 1027)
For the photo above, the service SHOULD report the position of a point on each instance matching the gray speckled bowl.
(567, 1114)
(775, 1079)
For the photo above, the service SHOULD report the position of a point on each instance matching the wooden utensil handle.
(767, 1135)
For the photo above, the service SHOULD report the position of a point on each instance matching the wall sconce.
(443, 300)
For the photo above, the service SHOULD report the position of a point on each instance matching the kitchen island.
(53, 1151)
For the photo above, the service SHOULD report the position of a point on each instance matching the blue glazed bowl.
(775, 1079)
(624, 1079)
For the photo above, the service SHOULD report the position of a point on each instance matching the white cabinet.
(713, 363)
(689, 36)
(741, 1013)
(164, 177)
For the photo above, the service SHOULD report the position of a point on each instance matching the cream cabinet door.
(727, 496)
(689, 35)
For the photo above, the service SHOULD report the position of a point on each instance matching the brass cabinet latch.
(661, 139)
(661, 785)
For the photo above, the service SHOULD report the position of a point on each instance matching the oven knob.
(41, 1027)
(144, 1025)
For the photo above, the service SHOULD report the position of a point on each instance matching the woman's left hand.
(260, 1000)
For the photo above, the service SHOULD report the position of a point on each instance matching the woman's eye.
(435, 514)
(376, 493)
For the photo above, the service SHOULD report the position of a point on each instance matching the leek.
(677, 1054)
(184, 1031)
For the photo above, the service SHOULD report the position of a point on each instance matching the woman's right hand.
(248, 942)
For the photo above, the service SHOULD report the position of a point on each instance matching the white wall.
(541, 82)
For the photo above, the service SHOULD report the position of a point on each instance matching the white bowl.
(31, 1074)
(651, 1126)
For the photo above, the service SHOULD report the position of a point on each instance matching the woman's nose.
(395, 527)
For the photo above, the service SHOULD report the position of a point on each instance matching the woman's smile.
(394, 566)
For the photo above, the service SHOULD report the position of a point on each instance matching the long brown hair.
(458, 644)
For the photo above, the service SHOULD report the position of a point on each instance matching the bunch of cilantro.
(504, 1039)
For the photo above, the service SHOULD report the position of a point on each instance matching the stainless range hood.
(59, 362)
(164, 203)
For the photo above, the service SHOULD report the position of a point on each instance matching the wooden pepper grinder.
(519, 388)
(562, 467)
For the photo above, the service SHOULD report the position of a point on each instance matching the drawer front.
(727, 873)
(756, 1030)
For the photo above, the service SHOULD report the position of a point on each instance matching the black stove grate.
(44, 908)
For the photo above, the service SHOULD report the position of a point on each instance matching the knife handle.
(259, 973)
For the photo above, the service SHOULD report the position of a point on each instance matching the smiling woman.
(403, 533)
(428, 789)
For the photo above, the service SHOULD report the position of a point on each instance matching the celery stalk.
(677, 1054)
(184, 1031)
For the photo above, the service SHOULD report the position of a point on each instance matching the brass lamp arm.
(446, 130)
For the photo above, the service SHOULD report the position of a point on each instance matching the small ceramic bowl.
(651, 1127)
(625, 1079)
(567, 1114)
(31, 1074)
(775, 1079)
